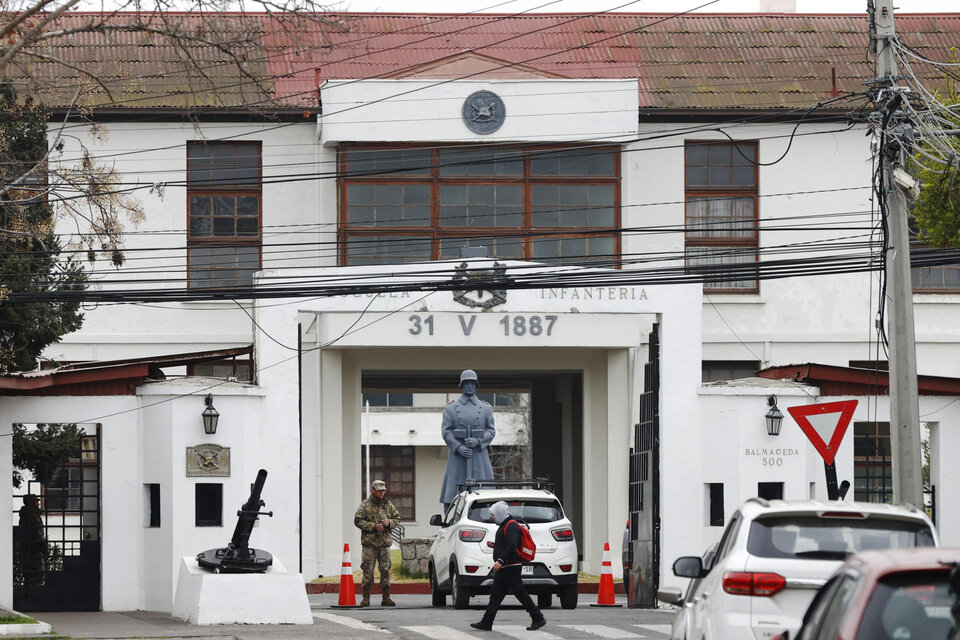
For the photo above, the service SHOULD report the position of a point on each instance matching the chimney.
(778, 6)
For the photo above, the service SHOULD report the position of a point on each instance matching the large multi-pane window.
(938, 279)
(410, 204)
(872, 462)
(721, 215)
(73, 485)
(223, 213)
(395, 465)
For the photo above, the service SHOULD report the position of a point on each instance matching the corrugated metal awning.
(109, 377)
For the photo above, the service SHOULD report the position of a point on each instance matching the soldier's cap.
(378, 485)
(468, 374)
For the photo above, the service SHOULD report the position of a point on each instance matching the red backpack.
(527, 548)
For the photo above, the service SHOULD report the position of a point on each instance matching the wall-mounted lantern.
(774, 417)
(210, 416)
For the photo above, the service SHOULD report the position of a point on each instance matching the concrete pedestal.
(274, 597)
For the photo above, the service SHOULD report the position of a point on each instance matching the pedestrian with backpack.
(507, 548)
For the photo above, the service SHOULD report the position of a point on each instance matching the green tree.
(43, 450)
(30, 253)
(936, 211)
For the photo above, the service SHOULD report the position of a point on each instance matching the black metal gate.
(56, 537)
(642, 547)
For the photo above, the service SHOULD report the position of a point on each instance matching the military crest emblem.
(208, 460)
(477, 284)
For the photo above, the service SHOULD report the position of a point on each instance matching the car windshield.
(914, 605)
(792, 536)
(530, 511)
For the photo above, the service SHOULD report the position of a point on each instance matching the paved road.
(415, 619)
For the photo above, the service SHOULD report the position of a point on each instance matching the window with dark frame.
(716, 504)
(722, 237)
(410, 204)
(500, 399)
(714, 370)
(387, 399)
(238, 368)
(770, 490)
(395, 465)
(74, 482)
(872, 463)
(153, 504)
(937, 279)
(208, 498)
(223, 213)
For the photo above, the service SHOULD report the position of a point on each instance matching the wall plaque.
(208, 460)
(483, 112)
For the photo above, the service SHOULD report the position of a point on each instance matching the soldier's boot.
(365, 601)
(387, 602)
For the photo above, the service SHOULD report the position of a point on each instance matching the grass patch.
(11, 619)
(397, 573)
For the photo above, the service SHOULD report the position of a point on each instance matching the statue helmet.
(469, 374)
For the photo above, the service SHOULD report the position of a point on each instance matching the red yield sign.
(825, 425)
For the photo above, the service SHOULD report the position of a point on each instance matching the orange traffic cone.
(348, 597)
(605, 593)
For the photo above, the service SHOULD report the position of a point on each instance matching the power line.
(521, 153)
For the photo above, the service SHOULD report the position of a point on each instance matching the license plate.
(526, 570)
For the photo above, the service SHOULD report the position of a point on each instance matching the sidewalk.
(110, 625)
(153, 624)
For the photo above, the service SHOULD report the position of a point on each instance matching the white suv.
(461, 562)
(772, 558)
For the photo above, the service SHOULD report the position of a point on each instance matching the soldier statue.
(468, 431)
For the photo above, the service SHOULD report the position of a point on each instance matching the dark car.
(902, 594)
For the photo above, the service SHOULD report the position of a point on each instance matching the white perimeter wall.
(144, 440)
(738, 453)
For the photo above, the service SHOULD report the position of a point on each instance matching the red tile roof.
(107, 377)
(851, 381)
(697, 61)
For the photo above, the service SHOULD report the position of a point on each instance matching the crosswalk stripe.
(439, 632)
(601, 630)
(520, 632)
(665, 629)
(347, 621)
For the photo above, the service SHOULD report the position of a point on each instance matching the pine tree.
(30, 253)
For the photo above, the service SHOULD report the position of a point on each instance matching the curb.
(423, 588)
(21, 630)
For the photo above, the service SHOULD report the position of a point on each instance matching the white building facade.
(334, 201)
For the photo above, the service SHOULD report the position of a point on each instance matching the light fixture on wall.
(774, 417)
(210, 416)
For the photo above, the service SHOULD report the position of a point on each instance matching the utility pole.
(896, 140)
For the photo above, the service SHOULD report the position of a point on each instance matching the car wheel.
(545, 600)
(569, 596)
(439, 598)
(461, 595)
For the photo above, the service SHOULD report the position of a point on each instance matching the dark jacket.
(506, 542)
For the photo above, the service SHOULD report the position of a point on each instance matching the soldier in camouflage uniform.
(375, 517)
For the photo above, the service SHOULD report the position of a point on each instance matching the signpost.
(825, 424)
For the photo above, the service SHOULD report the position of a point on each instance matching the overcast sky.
(667, 6)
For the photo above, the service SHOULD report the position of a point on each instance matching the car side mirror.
(435, 520)
(688, 567)
(670, 595)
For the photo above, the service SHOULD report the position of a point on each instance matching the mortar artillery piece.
(238, 556)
